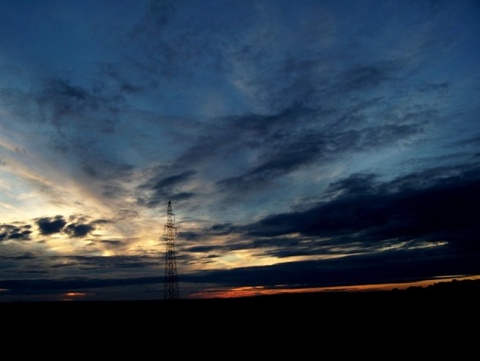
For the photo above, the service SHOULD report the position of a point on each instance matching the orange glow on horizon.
(70, 296)
(261, 291)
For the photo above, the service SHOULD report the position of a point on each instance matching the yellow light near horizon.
(75, 294)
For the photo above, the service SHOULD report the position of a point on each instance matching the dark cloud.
(75, 112)
(57, 224)
(70, 285)
(190, 235)
(203, 249)
(164, 48)
(157, 16)
(362, 77)
(284, 153)
(389, 266)
(111, 242)
(15, 231)
(103, 169)
(428, 87)
(169, 182)
(50, 225)
(166, 187)
(111, 77)
(123, 214)
(59, 99)
(221, 229)
(113, 262)
(78, 230)
(445, 209)
(236, 135)
(355, 184)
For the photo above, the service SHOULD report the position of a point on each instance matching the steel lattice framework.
(170, 288)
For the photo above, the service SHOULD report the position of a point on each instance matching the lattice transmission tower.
(170, 287)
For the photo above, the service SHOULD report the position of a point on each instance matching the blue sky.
(303, 144)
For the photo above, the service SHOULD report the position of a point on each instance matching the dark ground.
(436, 321)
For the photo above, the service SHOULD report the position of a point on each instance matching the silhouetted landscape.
(416, 319)
(443, 298)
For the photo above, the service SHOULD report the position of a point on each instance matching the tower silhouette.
(170, 287)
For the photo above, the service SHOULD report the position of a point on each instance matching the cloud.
(396, 266)
(163, 187)
(15, 232)
(281, 152)
(58, 224)
(359, 78)
(78, 230)
(390, 266)
(68, 285)
(51, 225)
(442, 210)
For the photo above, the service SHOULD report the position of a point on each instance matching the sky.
(303, 145)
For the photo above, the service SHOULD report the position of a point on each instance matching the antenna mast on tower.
(170, 287)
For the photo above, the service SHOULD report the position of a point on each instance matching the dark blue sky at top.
(302, 144)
